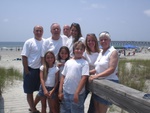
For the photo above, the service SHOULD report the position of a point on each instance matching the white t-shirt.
(32, 50)
(91, 58)
(102, 64)
(50, 81)
(70, 43)
(53, 45)
(73, 70)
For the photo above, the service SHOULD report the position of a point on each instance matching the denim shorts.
(68, 106)
(41, 92)
(101, 100)
(31, 81)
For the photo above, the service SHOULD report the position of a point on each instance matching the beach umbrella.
(129, 46)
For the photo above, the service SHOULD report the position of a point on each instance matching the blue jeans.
(68, 106)
(41, 92)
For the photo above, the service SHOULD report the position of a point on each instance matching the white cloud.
(147, 12)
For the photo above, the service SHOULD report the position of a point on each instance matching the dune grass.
(7, 77)
(134, 73)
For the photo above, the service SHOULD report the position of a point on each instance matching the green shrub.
(8, 76)
(133, 73)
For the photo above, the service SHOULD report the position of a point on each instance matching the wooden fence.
(125, 97)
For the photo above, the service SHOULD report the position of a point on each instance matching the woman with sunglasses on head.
(76, 35)
(105, 68)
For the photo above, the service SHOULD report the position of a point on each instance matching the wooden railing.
(125, 97)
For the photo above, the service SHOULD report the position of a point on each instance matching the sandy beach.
(13, 99)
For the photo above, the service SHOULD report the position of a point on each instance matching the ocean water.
(19, 45)
(11, 45)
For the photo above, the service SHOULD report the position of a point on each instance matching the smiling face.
(64, 54)
(38, 32)
(78, 49)
(105, 40)
(55, 30)
(90, 42)
(66, 30)
(74, 32)
(50, 58)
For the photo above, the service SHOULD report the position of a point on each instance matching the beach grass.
(134, 73)
(8, 76)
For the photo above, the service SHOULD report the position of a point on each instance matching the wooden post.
(125, 97)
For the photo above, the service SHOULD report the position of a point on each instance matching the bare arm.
(92, 72)
(55, 86)
(60, 95)
(112, 66)
(25, 64)
(43, 83)
(79, 88)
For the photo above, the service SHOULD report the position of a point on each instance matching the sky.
(125, 20)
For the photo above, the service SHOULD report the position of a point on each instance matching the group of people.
(60, 66)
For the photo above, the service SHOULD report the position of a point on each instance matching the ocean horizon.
(18, 45)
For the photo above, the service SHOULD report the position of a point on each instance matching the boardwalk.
(13, 100)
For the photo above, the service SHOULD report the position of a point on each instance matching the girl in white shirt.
(49, 82)
(63, 56)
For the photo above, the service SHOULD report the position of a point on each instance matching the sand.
(11, 59)
(14, 96)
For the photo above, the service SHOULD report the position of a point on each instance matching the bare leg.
(100, 108)
(31, 102)
(53, 105)
(36, 101)
(43, 104)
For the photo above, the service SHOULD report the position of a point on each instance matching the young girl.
(63, 56)
(72, 83)
(49, 82)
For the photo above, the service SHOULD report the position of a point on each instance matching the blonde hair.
(96, 43)
(45, 64)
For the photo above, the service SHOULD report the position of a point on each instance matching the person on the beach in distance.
(31, 60)
(55, 42)
(91, 53)
(106, 67)
(76, 35)
(72, 83)
(66, 30)
(49, 76)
